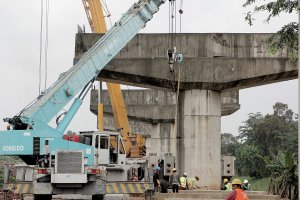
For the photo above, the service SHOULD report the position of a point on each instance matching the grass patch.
(261, 184)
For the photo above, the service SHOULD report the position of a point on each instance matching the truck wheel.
(43, 197)
(97, 197)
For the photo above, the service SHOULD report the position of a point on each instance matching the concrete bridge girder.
(201, 73)
(151, 106)
(213, 63)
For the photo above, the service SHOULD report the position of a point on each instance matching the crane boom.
(88, 67)
(96, 18)
(94, 13)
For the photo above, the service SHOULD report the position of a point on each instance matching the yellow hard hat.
(225, 180)
(236, 182)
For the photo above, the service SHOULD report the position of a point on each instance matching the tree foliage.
(284, 178)
(229, 143)
(272, 132)
(263, 137)
(287, 36)
(249, 161)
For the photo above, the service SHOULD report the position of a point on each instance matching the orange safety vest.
(240, 195)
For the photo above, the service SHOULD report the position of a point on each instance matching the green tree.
(272, 132)
(264, 136)
(287, 36)
(249, 162)
(229, 143)
(284, 178)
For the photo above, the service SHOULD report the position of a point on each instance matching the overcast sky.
(19, 50)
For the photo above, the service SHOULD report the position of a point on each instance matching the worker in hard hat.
(237, 193)
(192, 183)
(227, 185)
(246, 186)
(183, 182)
(174, 180)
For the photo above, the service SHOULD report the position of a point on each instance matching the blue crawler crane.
(56, 165)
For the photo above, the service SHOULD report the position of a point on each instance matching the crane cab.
(108, 146)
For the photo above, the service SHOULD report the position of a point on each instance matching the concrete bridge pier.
(163, 140)
(199, 147)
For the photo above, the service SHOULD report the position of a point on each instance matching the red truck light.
(42, 171)
(93, 171)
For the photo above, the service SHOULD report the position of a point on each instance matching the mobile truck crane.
(96, 18)
(56, 165)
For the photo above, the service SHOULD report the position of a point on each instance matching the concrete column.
(163, 139)
(199, 149)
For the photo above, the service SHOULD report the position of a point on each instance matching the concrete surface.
(211, 195)
(156, 106)
(199, 147)
(212, 61)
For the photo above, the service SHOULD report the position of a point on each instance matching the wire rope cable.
(175, 17)
(41, 44)
(180, 24)
(46, 44)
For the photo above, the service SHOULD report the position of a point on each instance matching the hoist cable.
(41, 44)
(175, 17)
(169, 24)
(46, 43)
(170, 17)
(180, 24)
(172, 14)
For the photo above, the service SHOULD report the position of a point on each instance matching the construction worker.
(227, 185)
(174, 180)
(156, 177)
(246, 186)
(163, 184)
(237, 193)
(192, 183)
(183, 182)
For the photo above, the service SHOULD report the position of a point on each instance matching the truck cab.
(108, 147)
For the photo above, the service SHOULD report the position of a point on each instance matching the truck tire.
(97, 197)
(42, 197)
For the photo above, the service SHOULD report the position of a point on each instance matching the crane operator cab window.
(116, 150)
(109, 148)
(122, 154)
(113, 150)
(102, 148)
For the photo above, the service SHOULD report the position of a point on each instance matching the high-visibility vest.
(183, 182)
(240, 195)
(191, 182)
(228, 187)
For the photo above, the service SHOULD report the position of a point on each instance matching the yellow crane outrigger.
(96, 18)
